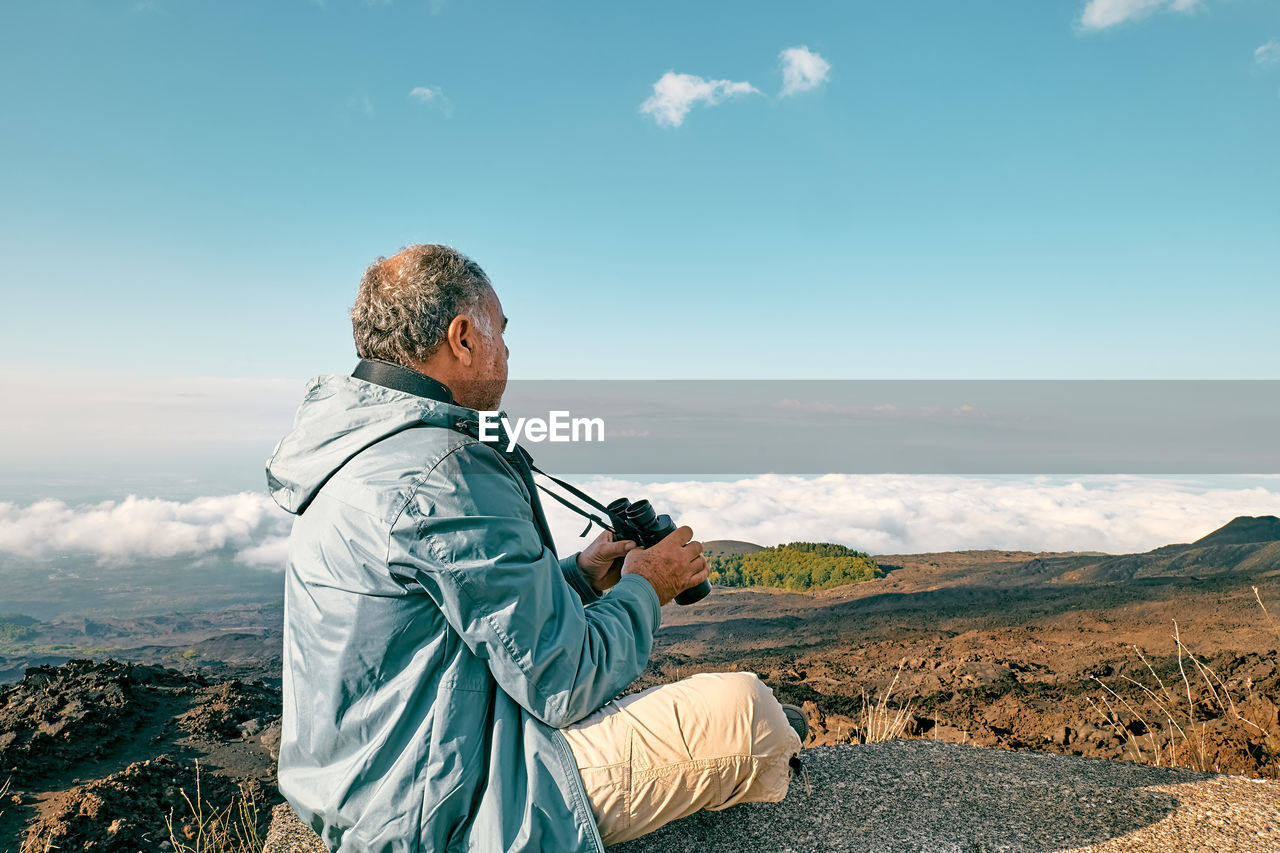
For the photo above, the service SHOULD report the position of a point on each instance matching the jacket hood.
(339, 417)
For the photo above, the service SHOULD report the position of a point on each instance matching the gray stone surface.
(921, 795)
(290, 835)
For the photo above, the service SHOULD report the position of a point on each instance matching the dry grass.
(1169, 731)
(1275, 629)
(232, 829)
(4, 792)
(879, 722)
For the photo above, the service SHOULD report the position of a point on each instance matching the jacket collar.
(400, 378)
(442, 410)
(409, 381)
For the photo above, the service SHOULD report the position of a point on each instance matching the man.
(449, 683)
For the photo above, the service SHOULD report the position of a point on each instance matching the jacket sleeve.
(469, 539)
(577, 580)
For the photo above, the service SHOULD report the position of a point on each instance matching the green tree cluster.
(795, 566)
(15, 627)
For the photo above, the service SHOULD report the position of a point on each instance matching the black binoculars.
(638, 522)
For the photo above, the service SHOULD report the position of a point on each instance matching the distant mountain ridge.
(1242, 544)
(1244, 530)
(726, 547)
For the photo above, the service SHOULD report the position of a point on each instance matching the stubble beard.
(483, 395)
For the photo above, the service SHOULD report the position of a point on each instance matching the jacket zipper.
(579, 790)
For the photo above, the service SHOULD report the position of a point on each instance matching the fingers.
(605, 550)
(701, 571)
(681, 535)
(683, 539)
(614, 550)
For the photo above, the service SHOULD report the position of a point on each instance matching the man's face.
(489, 370)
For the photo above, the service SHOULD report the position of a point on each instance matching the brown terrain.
(1068, 653)
(1024, 650)
(97, 755)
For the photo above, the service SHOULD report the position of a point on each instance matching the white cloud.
(1100, 14)
(249, 525)
(271, 553)
(802, 70)
(432, 96)
(675, 94)
(887, 514)
(1267, 55)
(883, 514)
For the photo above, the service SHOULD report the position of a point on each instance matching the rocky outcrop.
(290, 835)
(108, 756)
(118, 814)
(58, 716)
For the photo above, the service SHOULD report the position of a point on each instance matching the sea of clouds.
(882, 514)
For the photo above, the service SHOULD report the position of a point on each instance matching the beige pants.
(709, 741)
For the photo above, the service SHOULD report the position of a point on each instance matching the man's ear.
(461, 330)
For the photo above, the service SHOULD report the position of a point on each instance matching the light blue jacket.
(433, 641)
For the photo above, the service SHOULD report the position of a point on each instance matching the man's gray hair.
(406, 303)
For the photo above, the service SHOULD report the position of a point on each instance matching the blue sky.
(970, 190)
(945, 190)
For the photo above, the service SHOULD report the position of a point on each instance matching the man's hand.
(601, 561)
(672, 566)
